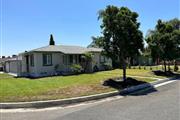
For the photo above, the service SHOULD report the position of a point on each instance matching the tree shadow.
(165, 74)
(126, 87)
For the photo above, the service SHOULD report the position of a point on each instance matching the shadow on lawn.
(166, 74)
(130, 82)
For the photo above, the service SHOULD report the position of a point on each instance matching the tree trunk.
(165, 66)
(169, 69)
(124, 70)
(175, 65)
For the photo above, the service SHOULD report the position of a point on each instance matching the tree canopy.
(121, 35)
(164, 41)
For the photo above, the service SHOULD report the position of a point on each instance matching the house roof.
(2, 60)
(66, 49)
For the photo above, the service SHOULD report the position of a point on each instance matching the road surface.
(162, 103)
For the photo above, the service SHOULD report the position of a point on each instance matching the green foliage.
(151, 68)
(176, 68)
(97, 42)
(76, 68)
(164, 41)
(87, 59)
(56, 67)
(107, 66)
(87, 56)
(121, 35)
(51, 41)
(144, 67)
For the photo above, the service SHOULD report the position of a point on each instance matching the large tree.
(121, 35)
(164, 41)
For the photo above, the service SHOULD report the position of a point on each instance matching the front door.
(27, 63)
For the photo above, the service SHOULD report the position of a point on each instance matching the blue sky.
(27, 24)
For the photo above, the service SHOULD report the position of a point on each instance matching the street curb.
(63, 102)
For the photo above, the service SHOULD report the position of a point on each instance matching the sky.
(27, 24)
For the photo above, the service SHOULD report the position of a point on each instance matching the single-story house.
(3, 62)
(49, 60)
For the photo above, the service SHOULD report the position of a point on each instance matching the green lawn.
(24, 89)
(159, 67)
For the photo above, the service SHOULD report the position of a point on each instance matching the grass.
(159, 67)
(24, 89)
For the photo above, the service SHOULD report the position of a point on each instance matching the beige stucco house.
(49, 60)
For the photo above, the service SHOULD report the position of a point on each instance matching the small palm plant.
(87, 59)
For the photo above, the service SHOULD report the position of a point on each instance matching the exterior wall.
(58, 59)
(39, 70)
(23, 64)
(13, 66)
(7, 67)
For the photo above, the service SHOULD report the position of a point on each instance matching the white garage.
(13, 66)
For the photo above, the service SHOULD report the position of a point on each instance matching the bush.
(95, 68)
(144, 67)
(56, 67)
(176, 68)
(107, 66)
(139, 67)
(76, 68)
(150, 67)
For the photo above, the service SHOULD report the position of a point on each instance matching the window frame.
(65, 59)
(47, 59)
(102, 59)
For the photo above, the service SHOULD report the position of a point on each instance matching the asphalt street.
(162, 103)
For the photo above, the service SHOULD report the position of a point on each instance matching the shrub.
(107, 66)
(76, 68)
(56, 67)
(144, 67)
(176, 68)
(139, 67)
(95, 68)
(150, 67)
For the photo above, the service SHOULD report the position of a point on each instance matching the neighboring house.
(49, 60)
(4, 62)
(1, 65)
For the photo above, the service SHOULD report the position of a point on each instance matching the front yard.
(24, 89)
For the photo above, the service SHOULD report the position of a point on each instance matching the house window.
(47, 59)
(32, 60)
(102, 59)
(65, 59)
